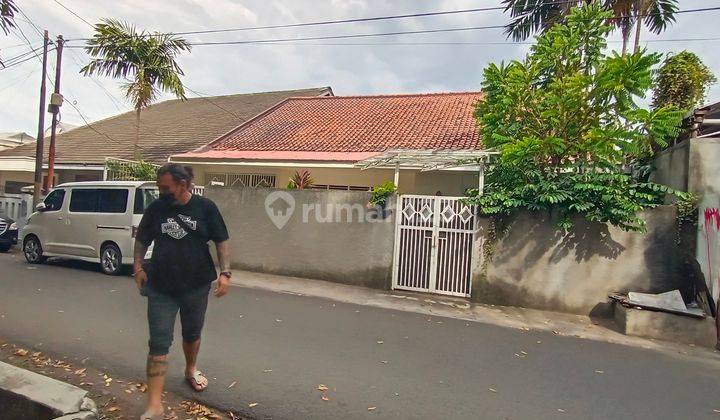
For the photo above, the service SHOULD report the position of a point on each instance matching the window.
(100, 200)
(13, 187)
(54, 201)
(112, 201)
(84, 201)
(340, 187)
(241, 180)
(143, 198)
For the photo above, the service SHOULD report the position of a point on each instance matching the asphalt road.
(280, 347)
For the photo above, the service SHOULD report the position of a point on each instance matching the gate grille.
(434, 241)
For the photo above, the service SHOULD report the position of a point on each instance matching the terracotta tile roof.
(166, 128)
(355, 124)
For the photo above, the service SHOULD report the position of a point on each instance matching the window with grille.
(241, 180)
(339, 187)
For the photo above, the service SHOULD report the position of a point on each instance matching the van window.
(54, 200)
(99, 200)
(143, 198)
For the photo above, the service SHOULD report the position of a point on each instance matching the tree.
(145, 61)
(539, 15)
(566, 123)
(7, 17)
(682, 81)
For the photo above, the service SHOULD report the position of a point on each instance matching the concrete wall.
(449, 183)
(704, 174)
(672, 166)
(356, 252)
(536, 265)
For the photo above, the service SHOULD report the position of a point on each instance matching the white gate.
(433, 245)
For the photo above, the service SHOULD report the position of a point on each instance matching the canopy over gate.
(430, 160)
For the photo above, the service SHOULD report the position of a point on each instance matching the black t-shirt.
(181, 260)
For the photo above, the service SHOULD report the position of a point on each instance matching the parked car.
(8, 233)
(88, 221)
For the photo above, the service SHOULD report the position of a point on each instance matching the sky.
(348, 69)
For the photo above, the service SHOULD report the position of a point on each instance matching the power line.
(205, 97)
(381, 34)
(74, 14)
(379, 18)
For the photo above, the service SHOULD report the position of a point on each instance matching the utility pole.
(56, 101)
(41, 127)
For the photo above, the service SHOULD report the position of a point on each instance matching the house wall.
(536, 265)
(449, 183)
(71, 175)
(16, 176)
(358, 251)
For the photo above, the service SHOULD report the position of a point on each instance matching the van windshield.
(143, 198)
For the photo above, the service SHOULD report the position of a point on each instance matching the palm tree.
(7, 15)
(145, 61)
(531, 16)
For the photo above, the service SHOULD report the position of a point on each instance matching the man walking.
(179, 275)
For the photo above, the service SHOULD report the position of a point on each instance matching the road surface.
(280, 347)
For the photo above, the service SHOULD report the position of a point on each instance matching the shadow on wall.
(537, 265)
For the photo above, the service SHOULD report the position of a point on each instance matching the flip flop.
(152, 416)
(194, 381)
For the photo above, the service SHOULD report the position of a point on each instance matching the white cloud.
(350, 70)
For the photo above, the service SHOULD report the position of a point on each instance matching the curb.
(22, 389)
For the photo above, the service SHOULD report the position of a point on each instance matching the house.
(14, 139)
(166, 128)
(332, 136)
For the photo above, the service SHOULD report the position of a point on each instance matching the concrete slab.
(666, 326)
(60, 398)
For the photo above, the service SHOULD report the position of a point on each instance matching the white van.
(88, 221)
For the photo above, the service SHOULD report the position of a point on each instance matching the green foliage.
(381, 193)
(300, 180)
(531, 16)
(134, 171)
(7, 15)
(682, 81)
(566, 123)
(147, 61)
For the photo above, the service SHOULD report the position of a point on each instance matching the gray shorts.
(162, 311)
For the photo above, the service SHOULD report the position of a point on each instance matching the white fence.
(15, 206)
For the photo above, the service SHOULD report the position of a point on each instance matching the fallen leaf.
(21, 352)
(492, 389)
(380, 342)
(251, 405)
(112, 409)
(128, 391)
(561, 410)
(385, 362)
(322, 387)
(599, 371)
(232, 384)
(80, 371)
(325, 398)
(36, 354)
(267, 370)
(372, 408)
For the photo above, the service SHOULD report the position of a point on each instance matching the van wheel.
(33, 250)
(111, 260)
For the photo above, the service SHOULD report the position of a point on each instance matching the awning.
(426, 160)
(430, 160)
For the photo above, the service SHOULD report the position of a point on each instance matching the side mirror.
(40, 207)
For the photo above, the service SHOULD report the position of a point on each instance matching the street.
(279, 347)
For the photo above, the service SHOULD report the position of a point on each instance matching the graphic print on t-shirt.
(174, 230)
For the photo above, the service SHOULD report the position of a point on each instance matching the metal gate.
(433, 245)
